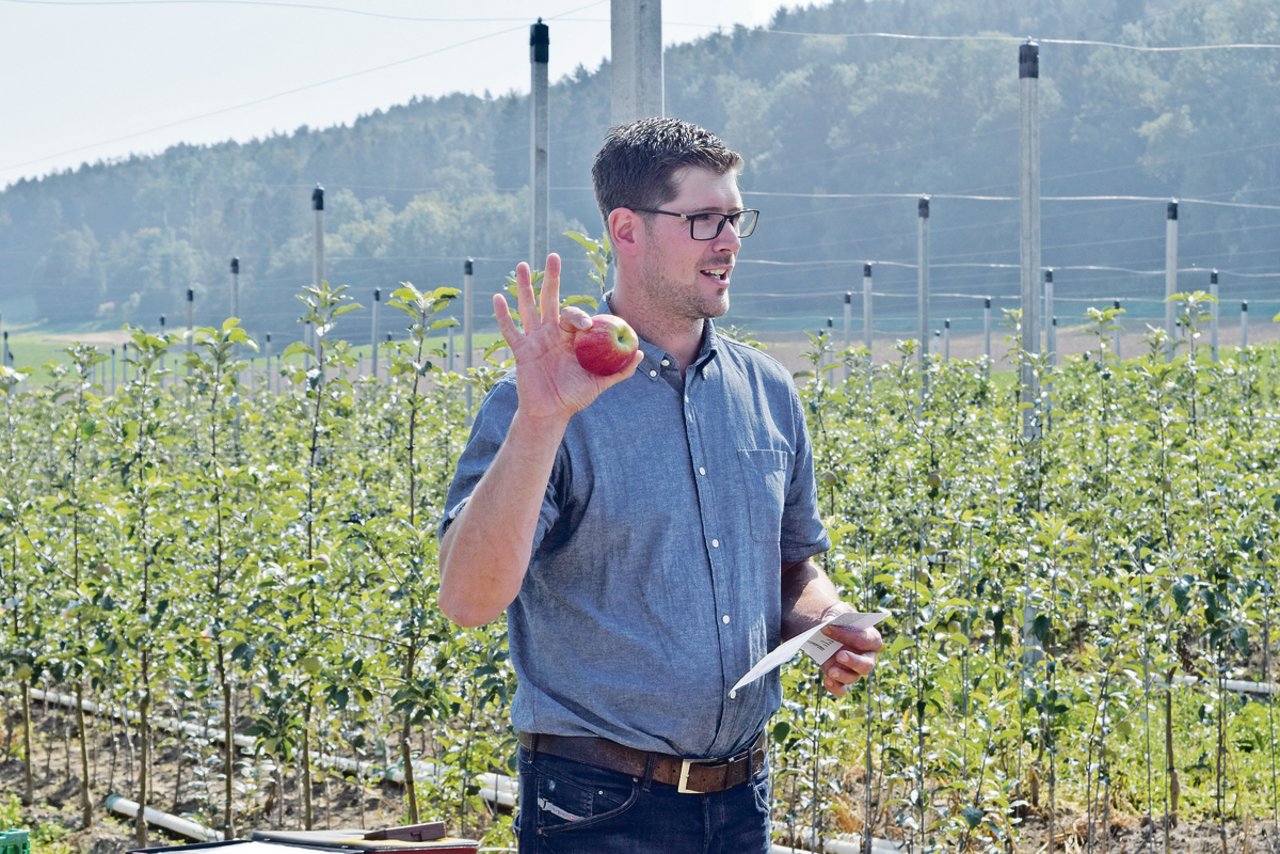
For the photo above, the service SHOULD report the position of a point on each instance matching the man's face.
(687, 277)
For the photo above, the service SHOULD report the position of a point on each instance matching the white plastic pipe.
(170, 822)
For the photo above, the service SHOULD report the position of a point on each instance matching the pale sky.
(88, 80)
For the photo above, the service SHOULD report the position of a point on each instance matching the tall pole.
(373, 336)
(468, 324)
(636, 59)
(539, 51)
(922, 278)
(1050, 329)
(235, 287)
(867, 329)
(1244, 325)
(986, 331)
(1171, 273)
(317, 261)
(1029, 250)
(848, 330)
(1213, 314)
(1115, 333)
(191, 326)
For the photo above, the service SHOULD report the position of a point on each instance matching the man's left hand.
(856, 657)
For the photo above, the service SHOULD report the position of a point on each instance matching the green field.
(1074, 595)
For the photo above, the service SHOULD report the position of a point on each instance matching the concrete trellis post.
(234, 295)
(848, 326)
(635, 28)
(1115, 333)
(946, 340)
(539, 235)
(1029, 193)
(867, 329)
(1051, 326)
(1171, 274)
(1213, 315)
(317, 256)
(1244, 324)
(373, 336)
(468, 323)
(191, 325)
(266, 356)
(986, 332)
(922, 278)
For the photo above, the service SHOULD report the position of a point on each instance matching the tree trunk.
(86, 779)
(144, 758)
(229, 758)
(306, 765)
(28, 775)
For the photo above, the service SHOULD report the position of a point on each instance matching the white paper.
(818, 646)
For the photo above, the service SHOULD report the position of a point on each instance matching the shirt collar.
(654, 356)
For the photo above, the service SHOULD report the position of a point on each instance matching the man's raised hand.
(549, 379)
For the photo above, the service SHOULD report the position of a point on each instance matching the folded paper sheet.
(818, 646)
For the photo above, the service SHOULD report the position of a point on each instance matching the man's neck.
(679, 338)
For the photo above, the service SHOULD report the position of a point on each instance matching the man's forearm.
(808, 597)
(485, 551)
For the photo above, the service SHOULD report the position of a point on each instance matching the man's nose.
(728, 240)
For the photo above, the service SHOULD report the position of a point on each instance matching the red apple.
(607, 347)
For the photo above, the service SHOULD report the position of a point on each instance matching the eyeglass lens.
(709, 226)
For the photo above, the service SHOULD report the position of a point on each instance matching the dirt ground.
(338, 804)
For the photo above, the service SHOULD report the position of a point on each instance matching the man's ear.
(625, 230)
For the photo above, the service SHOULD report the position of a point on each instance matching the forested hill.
(841, 125)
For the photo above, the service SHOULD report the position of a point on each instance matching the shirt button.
(733, 695)
(715, 544)
(665, 362)
(725, 619)
(653, 373)
(702, 470)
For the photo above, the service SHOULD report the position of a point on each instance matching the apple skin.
(607, 347)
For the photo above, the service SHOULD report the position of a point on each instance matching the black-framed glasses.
(707, 226)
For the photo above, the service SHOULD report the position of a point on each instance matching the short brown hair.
(635, 166)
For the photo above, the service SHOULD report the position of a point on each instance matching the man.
(649, 534)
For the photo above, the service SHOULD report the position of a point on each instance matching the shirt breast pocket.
(764, 472)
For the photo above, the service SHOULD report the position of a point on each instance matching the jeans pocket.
(571, 796)
(763, 790)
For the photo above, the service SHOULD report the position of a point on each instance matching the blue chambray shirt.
(655, 578)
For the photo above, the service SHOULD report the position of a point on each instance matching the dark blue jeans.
(568, 807)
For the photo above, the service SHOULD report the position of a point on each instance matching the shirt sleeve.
(488, 432)
(803, 534)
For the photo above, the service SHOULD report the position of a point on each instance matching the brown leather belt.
(690, 776)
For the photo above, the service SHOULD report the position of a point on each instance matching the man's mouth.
(720, 274)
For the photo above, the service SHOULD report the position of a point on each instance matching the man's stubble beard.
(685, 301)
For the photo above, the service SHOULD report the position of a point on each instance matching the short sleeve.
(803, 535)
(488, 432)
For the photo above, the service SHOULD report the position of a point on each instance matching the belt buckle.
(685, 766)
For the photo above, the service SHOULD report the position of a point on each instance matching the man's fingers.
(551, 289)
(524, 296)
(506, 325)
(574, 319)
(859, 640)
